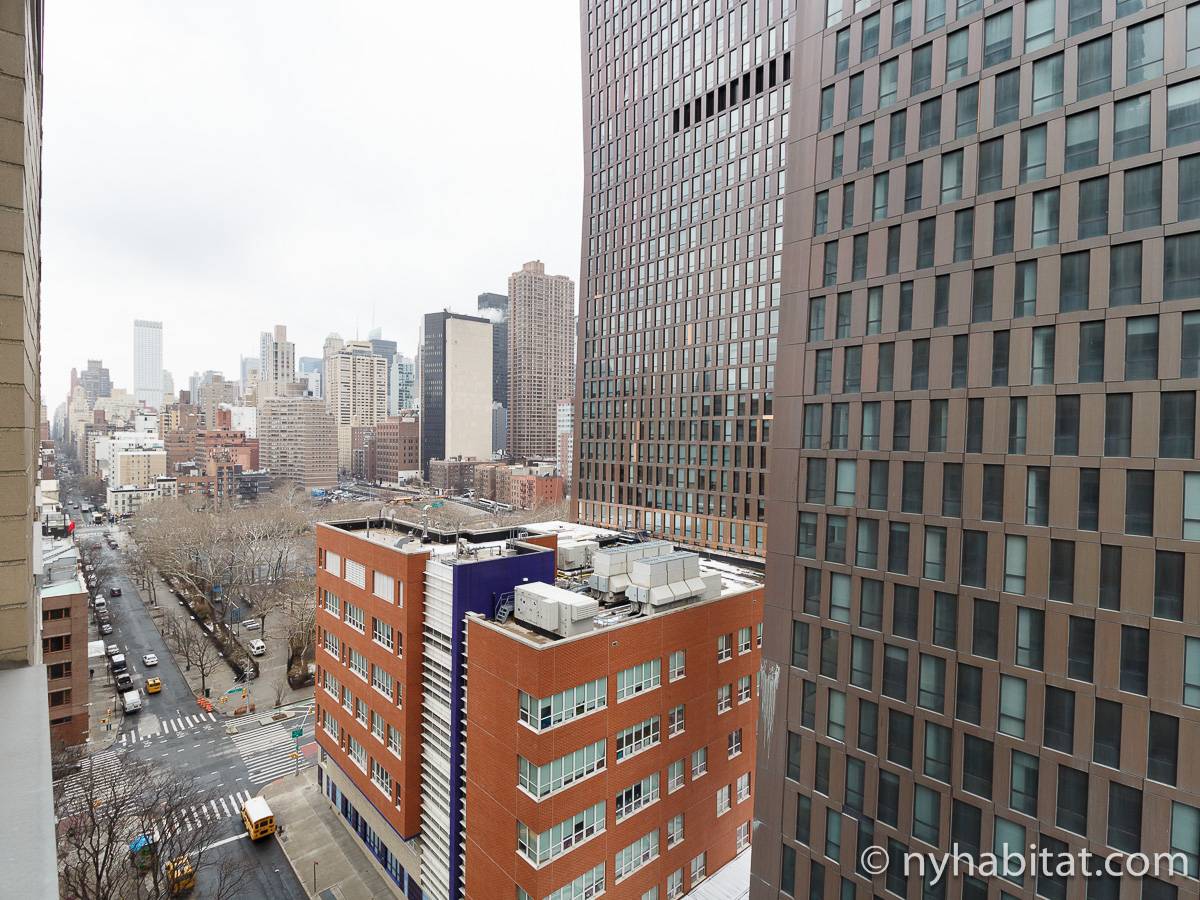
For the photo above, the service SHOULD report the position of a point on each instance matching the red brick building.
(64, 597)
(435, 652)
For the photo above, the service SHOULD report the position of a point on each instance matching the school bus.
(258, 819)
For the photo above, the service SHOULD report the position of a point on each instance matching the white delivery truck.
(131, 701)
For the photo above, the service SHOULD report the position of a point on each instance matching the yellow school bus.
(258, 819)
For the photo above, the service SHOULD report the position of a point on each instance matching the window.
(1083, 140)
(636, 679)
(1072, 801)
(563, 706)
(1003, 227)
(1144, 51)
(841, 53)
(1191, 506)
(879, 197)
(1118, 425)
(1066, 425)
(381, 633)
(1012, 706)
(1048, 83)
(1135, 659)
(838, 155)
(870, 37)
(866, 145)
(826, 107)
(1141, 348)
(1023, 788)
(1091, 352)
(1033, 154)
(1168, 585)
(1124, 817)
(699, 867)
(724, 647)
(991, 165)
(1015, 555)
(922, 69)
(1082, 15)
(931, 124)
(1074, 277)
(1093, 207)
(952, 177)
(1106, 734)
(382, 681)
(1039, 24)
(1191, 672)
(1181, 266)
(636, 797)
(926, 814)
(935, 553)
(997, 38)
(889, 73)
(1042, 360)
(1045, 217)
(1007, 100)
(901, 424)
(541, 781)
(956, 55)
(1025, 289)
(1009, 838)
(636, 738)
(935, 14)
(636, 855)
(1183, 113)
(699, 762)
(981, 295)
(1143, 197)
(1131, 126)
(920, 364)
(1030, 637)
(1089, 499)
(1000, 348)
(913, 173)
(1037, 496)
(901, 22)
(358, 664)
(1185, 829)
(1189, 187)
(1125, 274)
(355, 618)
(1018, 424)
(897, 129)
(848, 204)
(1059, 720)
(931, 686)
(966, 110)
(1162, 756)
(854, 106)
(333, 563)
(1177, 425)
(1094, 68)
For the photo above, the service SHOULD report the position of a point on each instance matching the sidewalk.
(311, 831)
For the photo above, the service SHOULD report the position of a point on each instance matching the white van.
(100, 603)
(257, 647)
(131, 701)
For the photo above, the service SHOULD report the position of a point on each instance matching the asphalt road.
(172, 730)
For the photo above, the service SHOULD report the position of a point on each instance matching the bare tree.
(100, 812)
(193, 647)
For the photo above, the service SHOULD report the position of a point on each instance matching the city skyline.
(108, 243)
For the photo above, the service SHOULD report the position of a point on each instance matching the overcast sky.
(226, 166)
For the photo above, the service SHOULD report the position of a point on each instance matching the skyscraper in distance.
(541, 367)
(985, 494)
(456, 387)
(681, 270)
(277, 363)
(147, 362)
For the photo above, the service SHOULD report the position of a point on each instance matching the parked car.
(100, 603)
(102, 617)
(112, 650)
(124, 681)
(252, 624)
(118, 663)
(106, 629)
(257, 647)
(114, 592)
(150, 659)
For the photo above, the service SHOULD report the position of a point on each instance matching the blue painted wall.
(478, 587)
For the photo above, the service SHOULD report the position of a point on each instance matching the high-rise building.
(456, 388)
(985, 498)
(402, 384)
(252, 364)
(277, 364)
(355, 391)
(95, 381)
(541, 364)
(27, 831)
(147, 363)
(610, 745)
(682, 261)
(297, 441)
(168, 388)
(494, 307)
(564, 439)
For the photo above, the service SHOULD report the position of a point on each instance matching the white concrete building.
(277, 363)
(147, 363)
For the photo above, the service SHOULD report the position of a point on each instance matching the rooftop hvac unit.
(553, 609)
(668, 579)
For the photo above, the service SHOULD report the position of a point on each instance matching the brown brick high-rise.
(982, 577)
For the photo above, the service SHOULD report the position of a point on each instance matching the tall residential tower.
(541, 363)
(685, 123)
(983, 561)
(147, 363)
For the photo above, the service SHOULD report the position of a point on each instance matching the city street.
(174, 731)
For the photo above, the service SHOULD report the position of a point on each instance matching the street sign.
(298, 732)
(235, 690)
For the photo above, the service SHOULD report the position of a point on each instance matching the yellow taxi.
(153, 685)
(181, 875)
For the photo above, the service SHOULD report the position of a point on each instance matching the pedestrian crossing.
(212, 810)
(101, 768)
(167, 727)
(268, 751)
